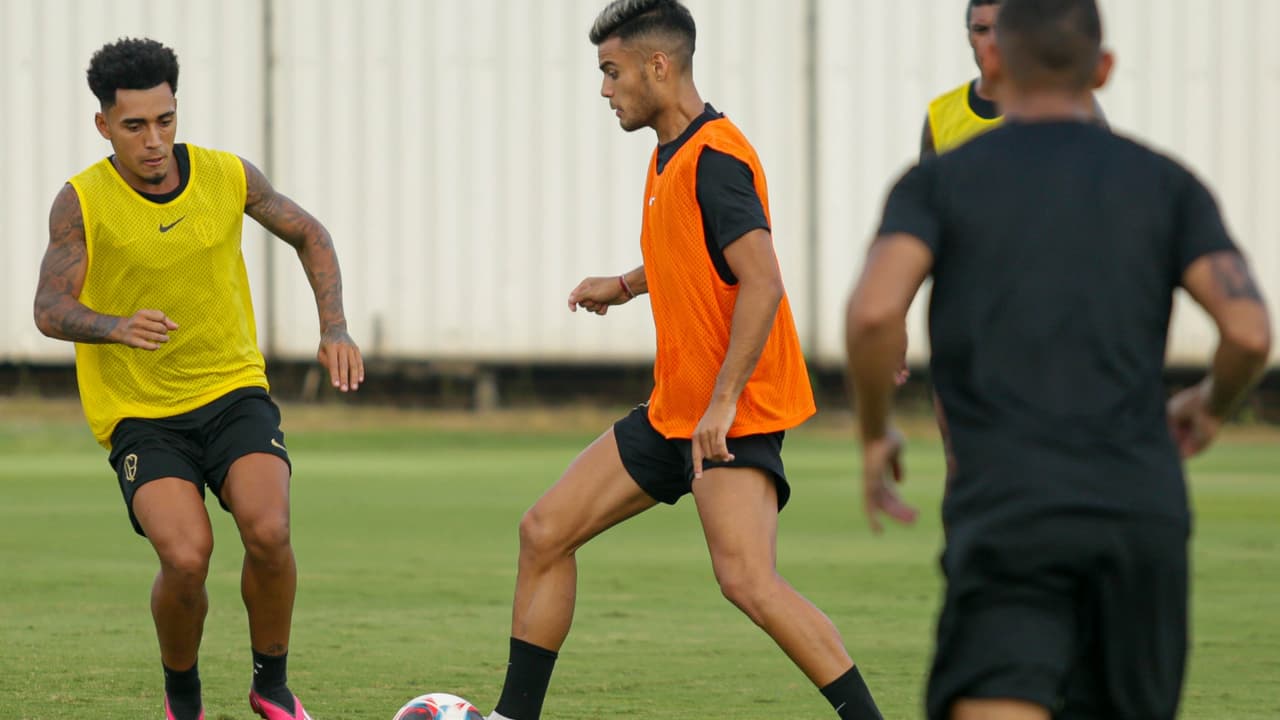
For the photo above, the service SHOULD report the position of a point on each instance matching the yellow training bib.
(183, 258)
(953, 123)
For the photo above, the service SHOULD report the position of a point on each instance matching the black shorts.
(664, 468)
(1086, 616)
(197, 446)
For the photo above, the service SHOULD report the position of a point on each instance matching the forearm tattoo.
(288, 221)
(58, 311)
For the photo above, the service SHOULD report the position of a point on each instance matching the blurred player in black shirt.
(1055, 249)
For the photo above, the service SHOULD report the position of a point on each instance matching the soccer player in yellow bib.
(961, 114)
(144, 272)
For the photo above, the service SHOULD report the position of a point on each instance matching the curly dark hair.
(631, 18)
(131, 64)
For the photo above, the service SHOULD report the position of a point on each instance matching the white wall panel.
(471, 174)
(1197, 80)
(47, 120)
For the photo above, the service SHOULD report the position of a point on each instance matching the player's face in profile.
(141, 127)
(982, 30)
(626, 84)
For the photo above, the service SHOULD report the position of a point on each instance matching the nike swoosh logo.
(277, 443)
(166, 228)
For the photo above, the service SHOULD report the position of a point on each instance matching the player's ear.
(1106, 63)
(660, 64)
(100, 121)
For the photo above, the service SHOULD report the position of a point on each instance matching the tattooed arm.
(289, 222)
(58, 311)
(1222, 284)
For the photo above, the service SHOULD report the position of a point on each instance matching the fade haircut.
(131, 64)
(968, 10)
(1050, 43)
(627, 19)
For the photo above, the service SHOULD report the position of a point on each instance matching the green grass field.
(405, 530)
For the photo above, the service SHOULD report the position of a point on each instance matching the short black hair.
(627, 19)
(131, 64)
(968, 10)
(1050, 43)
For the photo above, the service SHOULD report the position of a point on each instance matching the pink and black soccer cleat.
(168, 712)
(268, 710)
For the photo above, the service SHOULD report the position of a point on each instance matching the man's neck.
(1048, 106)
(673, 120)
(982, 89)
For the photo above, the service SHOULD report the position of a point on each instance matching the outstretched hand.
(597, 294)
(881, 474)
(340, 356)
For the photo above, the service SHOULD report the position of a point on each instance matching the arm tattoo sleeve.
(1231, 273)
(288, 221)
(58, 310)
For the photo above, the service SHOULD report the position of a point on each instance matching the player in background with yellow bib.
(144, 272)
(963, 113)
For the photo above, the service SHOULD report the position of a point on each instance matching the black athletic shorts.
(197, 446)
(1083, 615)
(664, 468)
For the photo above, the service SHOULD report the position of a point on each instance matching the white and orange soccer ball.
(438, 706)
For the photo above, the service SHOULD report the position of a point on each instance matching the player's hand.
(340, 356)
(596, 294)
(710, 436)
(881, 473)
(145, 330)
(1192, 425)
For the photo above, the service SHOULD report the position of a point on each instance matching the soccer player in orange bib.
(144, 272)
(729, 376)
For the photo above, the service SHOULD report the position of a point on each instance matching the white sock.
(496, 716)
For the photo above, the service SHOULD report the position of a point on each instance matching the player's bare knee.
(748, 590)
(267, 538)
(541, 537)
(186, 563)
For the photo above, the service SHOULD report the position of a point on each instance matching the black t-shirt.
(1057, 248)
(727, 195)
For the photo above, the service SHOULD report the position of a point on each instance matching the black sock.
(851, 698)
(182, 688)
(270, 679)
(528, 675)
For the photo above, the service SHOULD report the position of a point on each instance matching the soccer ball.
(438, 706)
